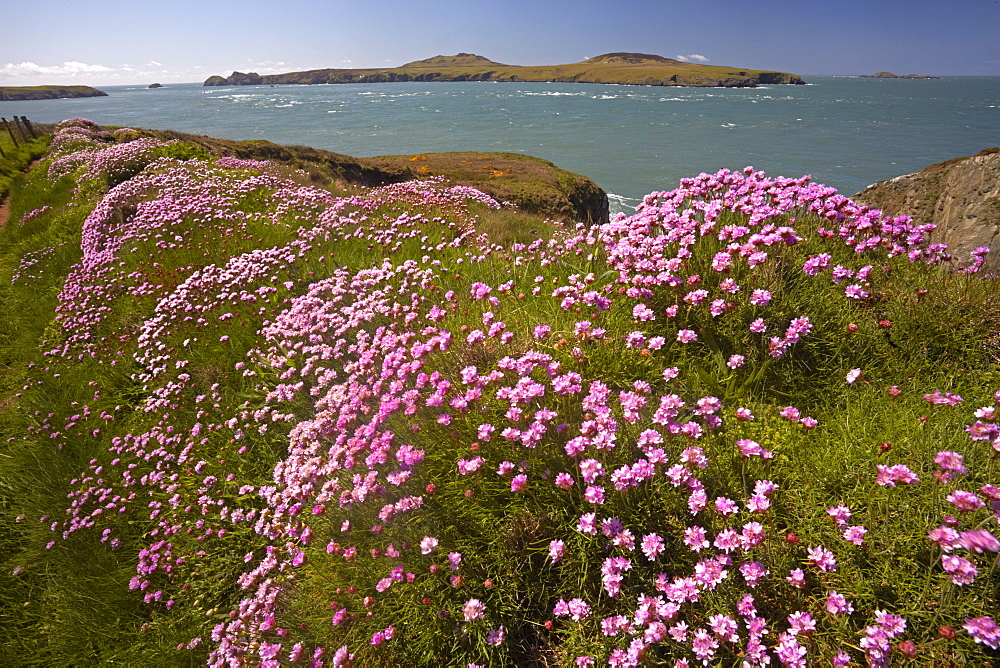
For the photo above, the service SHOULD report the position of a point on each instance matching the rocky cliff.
(960, 196)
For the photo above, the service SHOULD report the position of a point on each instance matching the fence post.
(31, 128)
(20, 130)
(9, 131)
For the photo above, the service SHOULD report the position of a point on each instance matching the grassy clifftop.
(615, 68)
(536, 186)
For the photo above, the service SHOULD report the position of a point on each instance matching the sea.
(846, 132)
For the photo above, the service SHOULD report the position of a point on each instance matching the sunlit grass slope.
(245, 420)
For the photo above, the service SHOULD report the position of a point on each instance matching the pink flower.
(687, 336)
(557, 549)
(519, 483)
(652, 545)
(822, 558)
(594, 494)
(983, 630)
(965, 501)
(889, 476)
(474, 609)
(853, 375)
(961, 570)
(837, 604)
(855, 534)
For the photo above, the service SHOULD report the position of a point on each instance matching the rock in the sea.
(960, 196)
(155, 85)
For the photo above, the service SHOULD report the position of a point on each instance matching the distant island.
(21, 93)
(890, 75)
(155, 85)
(611, 68)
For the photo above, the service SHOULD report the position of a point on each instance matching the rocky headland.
(535, 185)
(610, 68)
(21, 93)
(960, 196)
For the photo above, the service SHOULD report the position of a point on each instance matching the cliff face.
(960, 196)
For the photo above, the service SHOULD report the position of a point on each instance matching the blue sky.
(141, 41)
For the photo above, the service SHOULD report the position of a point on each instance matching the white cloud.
(68, 69)
(694, 56)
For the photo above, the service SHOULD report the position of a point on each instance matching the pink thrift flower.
(961, 570)
(837, 604)
(652, 545)
(594, 494)
(790, 413)
(519, 483)
(557, 549)
(428, 544)
(687, 336)
(694, 538)
(726, 507)
(965, 501)
(889, 476)
(950, 461)
(564, 480)
(983, 630)
(822, 558)
(474, 609)
(855, 534)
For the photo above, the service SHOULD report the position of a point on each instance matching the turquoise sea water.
(845, 131)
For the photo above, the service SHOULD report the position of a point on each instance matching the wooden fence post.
(9, 131)
(31, 128)
(20, 130)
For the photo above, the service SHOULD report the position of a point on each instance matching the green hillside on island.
(21, 93)
(611, 68)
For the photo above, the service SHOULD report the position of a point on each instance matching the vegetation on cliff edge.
(246, 420)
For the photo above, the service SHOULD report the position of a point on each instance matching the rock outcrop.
(155, 85)
(960, 196)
